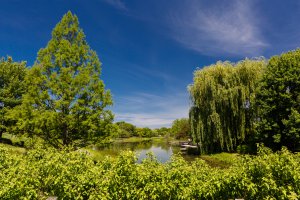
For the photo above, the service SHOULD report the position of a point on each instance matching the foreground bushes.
(74, 175)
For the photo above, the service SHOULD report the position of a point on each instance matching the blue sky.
(150, 49)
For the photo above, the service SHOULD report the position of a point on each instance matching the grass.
(14, 149)
(13, 138)
(221, 160)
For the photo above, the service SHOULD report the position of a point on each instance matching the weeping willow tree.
(222, 111)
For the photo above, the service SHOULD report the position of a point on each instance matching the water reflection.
(162, 150)
(162, 154)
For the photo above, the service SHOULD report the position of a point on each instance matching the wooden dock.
(188, 148)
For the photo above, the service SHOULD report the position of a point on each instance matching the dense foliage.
(41, 173)
(279, 101)
(145, 132)
(181, 128)
(65, 99)
(12, 88)
(163, 131)
(222, 112)
(126, 129)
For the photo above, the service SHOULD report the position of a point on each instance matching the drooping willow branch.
(222, 111)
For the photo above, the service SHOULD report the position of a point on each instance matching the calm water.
(162, 150)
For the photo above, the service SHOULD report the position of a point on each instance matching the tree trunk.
(199, 149)
(65, 127)
(65, 136)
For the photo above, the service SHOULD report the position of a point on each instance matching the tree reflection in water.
(162, 150)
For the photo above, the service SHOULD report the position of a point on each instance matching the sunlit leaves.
(181, 128)
(222, 111)
(279, 101)
(12, 88)
(66, 100)
(44, 172)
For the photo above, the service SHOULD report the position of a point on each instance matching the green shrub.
(43, 172)
(247, 149)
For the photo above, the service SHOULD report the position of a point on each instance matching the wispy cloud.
(118, 4)
(150, 73)
(149, 110)
(228, 27)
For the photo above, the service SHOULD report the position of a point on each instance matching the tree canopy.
(181, 128)
(279, 101)
(66, 99)
(12, 88)
(222, 111)
(163, 131)
(145, 132)
(126, 129)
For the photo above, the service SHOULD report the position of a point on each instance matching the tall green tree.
(66, 99)
(181, 128)
(11, 89)
(279, 101)
(222, 112)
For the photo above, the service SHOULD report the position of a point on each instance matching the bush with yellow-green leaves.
(44, 172)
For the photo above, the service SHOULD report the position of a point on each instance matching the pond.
(162, 150)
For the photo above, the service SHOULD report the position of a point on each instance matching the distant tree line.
(252, 101)
(180, 129)
(129, 130)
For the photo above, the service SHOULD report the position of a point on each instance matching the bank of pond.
(163, 149)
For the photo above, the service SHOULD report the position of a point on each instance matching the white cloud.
(145, 120)
(148, 72)
(118, 4)
(228, 27)
(148, 110)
